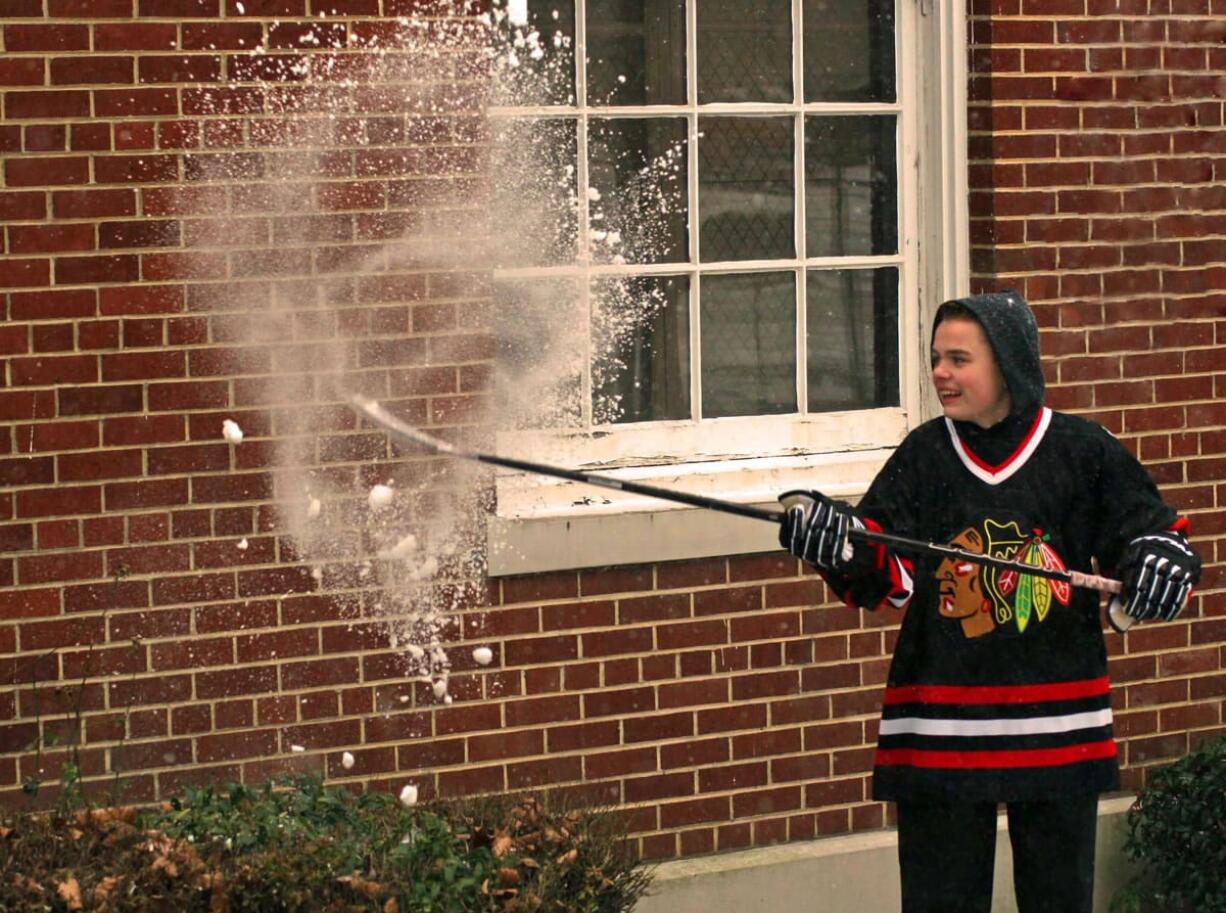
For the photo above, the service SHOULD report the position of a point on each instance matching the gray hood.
(1013, 333)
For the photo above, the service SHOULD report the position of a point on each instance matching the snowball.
(403, 548)
(593, 194)
(313, 508)
(242, 544)
(408, 795)
(231, 432)
(517, 12)
(483, 656)
(380, 497)
(347, 760)
(440, 687)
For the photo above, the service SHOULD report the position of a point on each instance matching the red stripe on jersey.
(997, 694)
(982, 464)
(1029, 757)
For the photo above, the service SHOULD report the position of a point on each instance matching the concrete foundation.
(852, 874)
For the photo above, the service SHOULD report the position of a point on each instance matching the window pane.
(641, 336)
(745, 181)
(541, 347)
(748, 331)
(533, 164)
(849, 50)
(547, 79)
(636, 52)
(852, 340)
(638, 171)
(744, 51)
(851, 185)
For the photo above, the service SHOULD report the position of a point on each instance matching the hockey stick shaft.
(405, 432)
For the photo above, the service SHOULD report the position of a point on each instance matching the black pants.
(946, 854)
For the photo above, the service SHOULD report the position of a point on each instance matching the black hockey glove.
(1158, 572)
(815, 530)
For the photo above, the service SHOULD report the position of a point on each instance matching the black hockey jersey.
(998, 687)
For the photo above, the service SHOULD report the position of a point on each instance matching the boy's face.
(965, 374)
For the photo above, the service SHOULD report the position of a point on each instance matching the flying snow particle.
(241, 9)
(408, 795)
(621, 78)
(380, 497)
(483, 655)
(517, 12)
(313, 508)
(415, 651)
(403, 548)
(296, 748)
(440, 687)
(242, 544)
(347, 760)
(593, 194)
(231, 432)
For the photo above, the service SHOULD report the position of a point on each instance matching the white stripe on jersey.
(1034, 725)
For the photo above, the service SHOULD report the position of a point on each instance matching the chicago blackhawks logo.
(986, 599)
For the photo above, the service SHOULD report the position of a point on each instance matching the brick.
(95, 465)
(148, 233)
(46, 104)
(143, 365)
(37, 239)
(134, 169)
(19, 205)
(19, 38)
(47, 370)
(88, 270)
(179, 68)
(21, 72)
(56, 568)
(46, 171)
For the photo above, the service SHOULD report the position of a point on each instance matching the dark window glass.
(851, 185)
(852, 345)
(745, 188)
(849, 50)
(636, 52)
(744, 51)
(748, 332)
(637, 167)
(641, 343)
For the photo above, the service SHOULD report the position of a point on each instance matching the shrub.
(1177, 833)
(300, 847)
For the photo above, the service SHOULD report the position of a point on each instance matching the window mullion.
(581, 183)
(691, 99)
(798, 161)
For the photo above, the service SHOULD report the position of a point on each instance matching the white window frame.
(544, 524)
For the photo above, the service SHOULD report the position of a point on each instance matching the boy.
(998, 688)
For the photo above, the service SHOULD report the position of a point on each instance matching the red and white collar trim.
(994, 475)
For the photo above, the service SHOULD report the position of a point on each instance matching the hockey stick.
(405, 432)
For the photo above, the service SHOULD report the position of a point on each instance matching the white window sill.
(548, 525)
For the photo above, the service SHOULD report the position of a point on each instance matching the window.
(749, 220)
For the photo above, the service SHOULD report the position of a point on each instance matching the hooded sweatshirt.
(998, 687)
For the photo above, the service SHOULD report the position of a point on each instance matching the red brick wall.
(714, 697)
